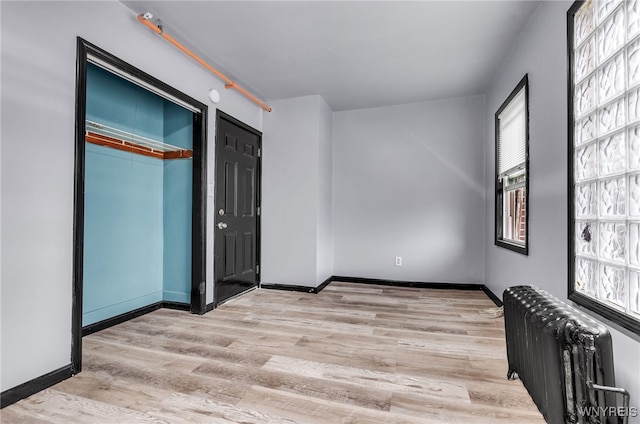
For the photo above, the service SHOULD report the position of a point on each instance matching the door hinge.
(259, 152)
(257, 269)
(258, 210)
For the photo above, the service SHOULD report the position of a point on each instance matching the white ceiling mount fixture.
(214, 96)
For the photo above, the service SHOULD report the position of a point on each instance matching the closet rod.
(145, 19)
(104, 135)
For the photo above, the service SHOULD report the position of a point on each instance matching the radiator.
(564, 359)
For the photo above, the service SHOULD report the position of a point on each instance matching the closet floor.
(354, 353)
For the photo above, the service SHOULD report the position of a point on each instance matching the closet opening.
(140, 196)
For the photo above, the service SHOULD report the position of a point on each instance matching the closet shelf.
(104, 135)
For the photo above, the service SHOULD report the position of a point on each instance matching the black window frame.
(499, 191)
(600, 308)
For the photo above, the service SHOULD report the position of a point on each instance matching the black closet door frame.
(199, 213)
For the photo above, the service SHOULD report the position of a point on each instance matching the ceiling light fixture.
(214, 96)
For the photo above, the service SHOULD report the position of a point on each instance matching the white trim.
(114, 70)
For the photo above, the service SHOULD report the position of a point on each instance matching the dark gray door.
(237, 197)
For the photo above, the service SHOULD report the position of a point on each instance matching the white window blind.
(512, 136)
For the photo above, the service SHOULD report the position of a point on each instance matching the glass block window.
(512, 170)
(604, 155)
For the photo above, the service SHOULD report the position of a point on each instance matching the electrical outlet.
(398, 260)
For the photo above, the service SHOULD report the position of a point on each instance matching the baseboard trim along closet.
(422, 285)
(11, 396)
(118, 319)
(176, 305)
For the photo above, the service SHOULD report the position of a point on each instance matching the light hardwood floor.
(351, 354)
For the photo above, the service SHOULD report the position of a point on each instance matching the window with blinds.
(512, 135)
(512, 170)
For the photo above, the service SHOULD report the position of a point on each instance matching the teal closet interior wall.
(122, 241)
(116, 102)
(137, 241)
(177, 202)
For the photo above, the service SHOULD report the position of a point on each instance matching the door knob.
(222, 225)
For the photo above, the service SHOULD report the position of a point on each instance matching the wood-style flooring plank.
(102, 387)
(354, 353)
(60, 407)
(202, 409)
(439, 410)
(289, 407)
(300, 383)
(391, 382)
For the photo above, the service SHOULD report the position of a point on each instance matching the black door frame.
(220, 115)
(199, 213)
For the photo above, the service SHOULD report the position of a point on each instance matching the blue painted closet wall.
(113, 101)
(137, 247)
(177, 202)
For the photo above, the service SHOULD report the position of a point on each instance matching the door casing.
(198, 228)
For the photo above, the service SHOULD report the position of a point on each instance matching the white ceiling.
(355, 54)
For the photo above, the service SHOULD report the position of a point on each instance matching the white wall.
(542, 53)
(325, 200)
(1, 330)
(407, 181)
(37, 165)
(296, 220)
